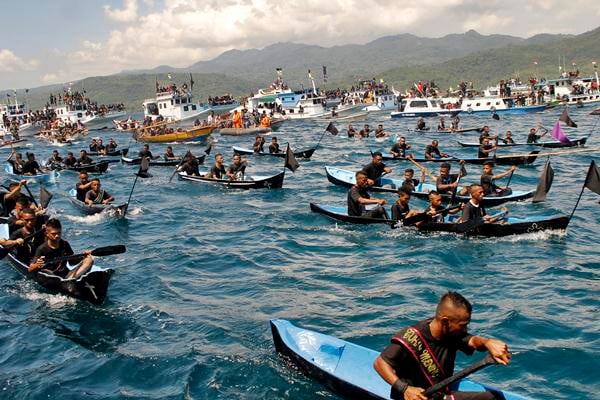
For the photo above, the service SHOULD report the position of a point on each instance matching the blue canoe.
(346, 178)
(344, 367)
(49, 177)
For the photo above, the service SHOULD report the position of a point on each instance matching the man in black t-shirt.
(24, 249)
(473, 211)
(274, 146)
(190, 165)
(447, 183)
(533, 137)
(486, 148)
(237, 168)
(375, 169)
(358, 197)
(97, 195)
(218, 171)
(70, 160)
(399, 148)
(54, 247)
(146, 153)
(443, 336)
(83, 186)
(31, 166)
(433, 152)
(84, 159)
(488, 180)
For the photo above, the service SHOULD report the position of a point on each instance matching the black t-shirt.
(432, 151)
(17, 168)
(373, 171)
(69, 162)
(354, 207)
(532, 138)
(274, 148)
(259, 147)
(81, 192)
(64, 249)
(97, 198)
(406, 367)
(488, 184)
(111, 147)
(31, 167)
(190, 167)
(472, 212)
(508, 140)
(85, 160)
(218, 173)
(481, 153)
(145, 154)
(400, 148)
(93, 147)
(24, 253)
(234, 169)
(409, 184)
(451, 178)
(399, 211)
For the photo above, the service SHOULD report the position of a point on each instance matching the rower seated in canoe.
(488, 180)
(218, 170)
(146, 153)
(358, 198)
(474, 212)
(259, 144)
(169, 155)
(423, 354)
(274, 146)
(399, 148)
(97, 195)
(446, 182)
(432, 151)
(190, 166)
(410, 182)
(236, 170)
(375, 169)
(401, 209)
(55, 247)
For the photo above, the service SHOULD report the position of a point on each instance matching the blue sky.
(57, 41)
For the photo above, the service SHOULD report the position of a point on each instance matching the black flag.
(332, 129)
(496, 116)
(144, 166)
(592, 180)
(191, 82)
(567, 120)
(45, 197)
(290, 160)
(324, 73)
(544, 184)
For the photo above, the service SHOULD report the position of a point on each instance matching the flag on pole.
(191, 82)
(564, 117)
(309, 75)
(559, 135)
(592, 180)
(332, 129)
(290, 160)
(324, 73)
(544, 184)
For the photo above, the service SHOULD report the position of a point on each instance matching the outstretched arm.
(497, 348)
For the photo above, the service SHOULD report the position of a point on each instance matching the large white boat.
(302, 104)
(14, 112)
(489, 105)
(422, 107)
(174, 104)
(74, 112)
(572, 90)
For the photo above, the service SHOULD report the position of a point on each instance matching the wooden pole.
(556, 153)
(422, 168)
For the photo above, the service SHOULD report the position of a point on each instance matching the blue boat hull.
(424, 114)
(342, 366)
(512, 110)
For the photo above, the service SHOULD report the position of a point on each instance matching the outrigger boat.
(91, 287)
(243, 131)
(548, 144)
(342, 177)
(116, 210)
(345, 367)
(248, 182)
(159, 162)
(298, 154)
(48, 177)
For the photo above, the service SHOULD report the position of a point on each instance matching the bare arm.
(497, 348)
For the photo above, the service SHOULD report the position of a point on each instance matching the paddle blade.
(109, 250)
(208, 149)
(290, 160)
(45, 197)
(496, 116)
(144, 166)
(544, 184)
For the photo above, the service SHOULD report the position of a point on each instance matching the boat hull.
(199, 135)
(550, 145)
(424, 114)
(159, 163)
(243, 131)
(298, 154)
(341, 214)
(267, 182)
(500, 160)
(47, 178)
(117, 210)
(96, 168)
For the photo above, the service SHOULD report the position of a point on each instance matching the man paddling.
(237, 168)
(25, 249)
(218, 171)
(169, 155)
(473, 211)
(485, 148)
(447, 183)
(401, 209)
(83, 186)
(97, 195)
(55, 247)
(488, 180)
(533, 136)
(424, 353)
(375, 169)
(146, 153)
(432, 152)
(358, 198)
(399, 148)
(84, 159)
(274, 146)
(190, 165)
(259, 144)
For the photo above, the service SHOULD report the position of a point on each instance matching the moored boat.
(549, 144)
(116, 210)
(347, 179)
(345, 367)
(488, 105)
(298, 154)
(91, 287)
(248, 182)
(423, 107)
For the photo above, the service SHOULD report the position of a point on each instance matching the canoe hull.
(117, 210)
(549, 145)
(298, 154)
(516, 160)
(96, 168)
(339, 214)
(270, 182)
(159, 163)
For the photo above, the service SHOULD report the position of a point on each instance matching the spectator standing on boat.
(437, 340)
(97, 195)
(212, 118)
(358, 198)
(265, 121)
(259, 144)
(376, 169)
(488, 180)
(432, 151)
(274, 146)
(399, 148)
(14, 130)
(237, 120)
(54, 247)
(218, 171)
(533, 137)
(246, 118)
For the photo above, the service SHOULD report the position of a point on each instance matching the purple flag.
(558, 134)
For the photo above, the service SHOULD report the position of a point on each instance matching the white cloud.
(10, 62)
(88, 53)
(127, 14)
(50, 78)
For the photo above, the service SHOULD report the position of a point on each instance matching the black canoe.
(95, 168)
(116, 153)
(116, 210)
(498, 160)
(91, 287)
(298, 154)
(340, 213)
(159, 162)
(550, 145)
(462, 130)
(346, 178)
(250, 182)
(513, 226)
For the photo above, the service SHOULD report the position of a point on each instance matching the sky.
(58, 41)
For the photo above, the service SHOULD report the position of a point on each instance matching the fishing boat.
(95, 168)
(127, 125)
(498, 105)
(223, 104)
(196, 134)
(345, 367)
(302, 104)
(173, 103)
(423, 107)
(159, 162)
(47, 177)
(572, 90)
(248, 182)
(498, 160)
(347, 179)
(244, 131)
(509, 226)
(549, 144)
(91, 287)
(340, 213)
(298, 154)
(74, 112)
(116, 210)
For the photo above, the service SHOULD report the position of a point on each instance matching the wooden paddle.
(422, 168)
(99, 252)
(31, 195)
(484, 362)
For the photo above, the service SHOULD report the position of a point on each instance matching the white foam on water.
(88, 219)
